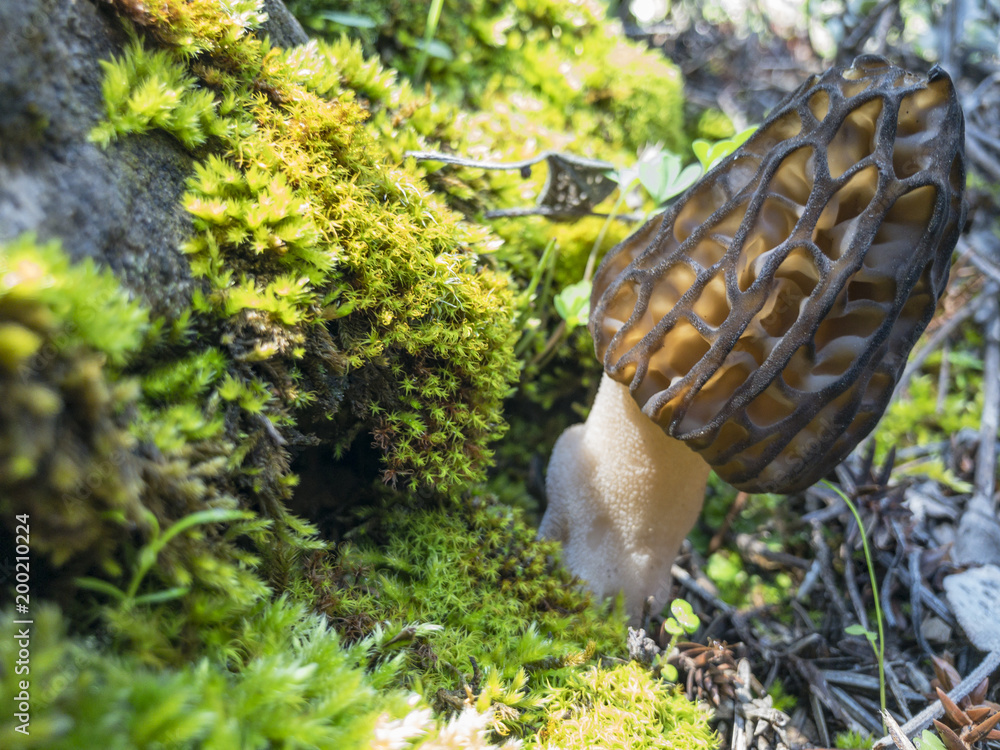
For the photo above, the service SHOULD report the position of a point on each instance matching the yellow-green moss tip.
(621, 708)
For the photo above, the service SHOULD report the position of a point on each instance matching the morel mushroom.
(764, 319)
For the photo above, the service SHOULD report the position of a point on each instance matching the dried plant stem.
(588, 272)
(896, 732)
(986, 457)
(979, 532)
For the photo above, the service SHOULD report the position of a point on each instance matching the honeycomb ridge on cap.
(766, 316)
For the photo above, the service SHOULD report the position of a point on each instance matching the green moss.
(302, 225)
(292, 684)
(415, 602)
(144, 90)
(743, 588)
(335, 290)
(782, 700)
(851, 740)
(917, 418)
(197, 27)
(106, 449)
(66, 454)
(496, 594)
(624, 707)
(42, 289)
(567, 56)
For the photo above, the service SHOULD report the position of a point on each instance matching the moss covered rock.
(214, 256)
(118, 205)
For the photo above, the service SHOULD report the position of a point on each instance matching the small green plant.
(710, 154)
(662, 175)
(857, 629)
(149, 553)
(684, 620)
(853, 741)
(573, 304)
(929, 741)
(780, 699)
(429, 46)
(879, 647)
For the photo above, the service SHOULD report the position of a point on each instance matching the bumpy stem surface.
(622, 497)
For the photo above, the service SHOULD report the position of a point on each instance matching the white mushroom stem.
(622, 495)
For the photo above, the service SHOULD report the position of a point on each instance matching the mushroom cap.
(765, 317)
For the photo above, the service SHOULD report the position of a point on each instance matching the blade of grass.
(433, 16)
(880, 651)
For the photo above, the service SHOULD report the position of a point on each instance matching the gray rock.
(641, 647)
(283, 28)
(119, 205)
